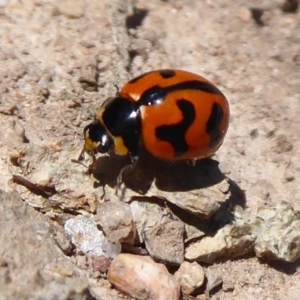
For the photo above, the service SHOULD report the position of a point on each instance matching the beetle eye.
(96, 138)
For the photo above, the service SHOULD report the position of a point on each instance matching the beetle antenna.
(116, 87)
(76, 161)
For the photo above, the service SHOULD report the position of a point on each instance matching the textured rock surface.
(32, 266)
(156, 227)
(85, 235)
(278, 233)
(233, 240)
(190, 276)
(116, 221)
(141, 278)
(58, 63)
(273, 234)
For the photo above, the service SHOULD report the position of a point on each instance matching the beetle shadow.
(173, 177)
(169, 176)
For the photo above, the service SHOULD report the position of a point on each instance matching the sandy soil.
(59, 60)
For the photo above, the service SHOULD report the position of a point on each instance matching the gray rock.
(278, 233)
(233, 240)
(116, 221)
(88, 239)
(160, 230)
(164, 241)
(32, 266)
(272, 234)
(190, 276)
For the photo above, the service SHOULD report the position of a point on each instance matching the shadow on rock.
(191, 190)
(168, 176)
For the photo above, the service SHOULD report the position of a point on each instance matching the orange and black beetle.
(173, 114)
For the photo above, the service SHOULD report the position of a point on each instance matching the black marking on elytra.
(156, 94)
(213, 125)
(153, 96)
(175, 133)
(167, 73)
(122, 119)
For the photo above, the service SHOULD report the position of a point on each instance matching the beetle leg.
(81, 155)
(127, 168)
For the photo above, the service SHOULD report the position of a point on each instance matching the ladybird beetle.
(173, 114)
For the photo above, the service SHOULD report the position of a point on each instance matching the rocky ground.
(59, 60)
